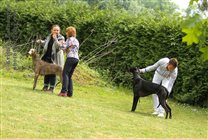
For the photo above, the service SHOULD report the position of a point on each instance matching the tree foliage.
(135, 6)
(195, 26)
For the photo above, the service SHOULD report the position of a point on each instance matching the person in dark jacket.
(52, 53)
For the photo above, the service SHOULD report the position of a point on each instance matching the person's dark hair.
(174, 62)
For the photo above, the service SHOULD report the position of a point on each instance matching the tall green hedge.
(113, 41)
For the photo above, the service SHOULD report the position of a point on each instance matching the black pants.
(69, 66)
(49, 79)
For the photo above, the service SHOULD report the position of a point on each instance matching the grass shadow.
(143, 113)
(25, 88)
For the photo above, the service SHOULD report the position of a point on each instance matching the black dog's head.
(134, 70)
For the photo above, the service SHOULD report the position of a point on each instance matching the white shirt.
(73, 45)
(160, 67)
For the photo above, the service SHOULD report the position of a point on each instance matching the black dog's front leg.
(135, 101)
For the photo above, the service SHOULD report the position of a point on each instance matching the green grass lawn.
(95, 111)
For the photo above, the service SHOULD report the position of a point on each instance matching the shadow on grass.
(22, 87)
(27, 89)
(142, 113)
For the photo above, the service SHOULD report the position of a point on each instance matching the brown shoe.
(62, 94)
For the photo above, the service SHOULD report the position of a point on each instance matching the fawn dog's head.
(32, 52)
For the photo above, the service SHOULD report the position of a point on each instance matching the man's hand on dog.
(142, 70)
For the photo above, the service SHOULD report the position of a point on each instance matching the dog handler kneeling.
(166, 72)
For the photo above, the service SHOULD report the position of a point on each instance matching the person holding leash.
(71, 47)
(166, 71)
(52, 54)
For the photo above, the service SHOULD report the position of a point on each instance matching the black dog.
(142, 88)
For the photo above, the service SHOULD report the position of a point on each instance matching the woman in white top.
(166, 72)
(71, 47)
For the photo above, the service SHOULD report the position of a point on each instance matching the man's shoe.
(155, 113)
(160, 115)
(62, 94)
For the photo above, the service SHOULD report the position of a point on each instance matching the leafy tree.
(196, 26)
(135, 6)
(162, 5)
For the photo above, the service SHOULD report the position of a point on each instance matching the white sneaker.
(161, 115)
(155, 113)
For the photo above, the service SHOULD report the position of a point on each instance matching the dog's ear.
(133, 69)
(30, 52)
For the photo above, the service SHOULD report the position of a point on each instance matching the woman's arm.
(153, 67)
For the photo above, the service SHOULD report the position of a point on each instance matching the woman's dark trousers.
(49, 79)
(69, 66)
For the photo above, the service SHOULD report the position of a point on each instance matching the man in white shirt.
(166, 71)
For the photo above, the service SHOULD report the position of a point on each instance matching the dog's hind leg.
(163, 104)
(35, 81)
(135, 101)
(61, 78)
(170, 113)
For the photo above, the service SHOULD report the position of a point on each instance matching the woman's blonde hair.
(71, 31)
(55, 26)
